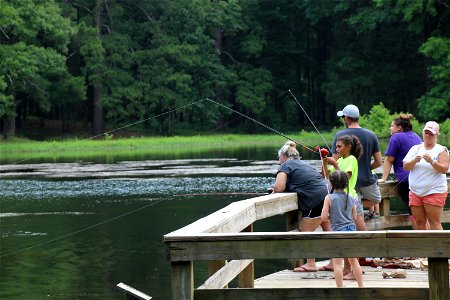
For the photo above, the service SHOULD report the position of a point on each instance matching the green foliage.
(378, 120)
(141, 59)
(435, 105)
(6, 102)
(33, 45)
(444, 127)
(252, 89)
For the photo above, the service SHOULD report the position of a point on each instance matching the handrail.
(218, 237)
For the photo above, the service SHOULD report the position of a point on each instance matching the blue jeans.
(351, 227)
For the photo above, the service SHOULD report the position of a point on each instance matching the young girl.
(339, 207)
(349, 150)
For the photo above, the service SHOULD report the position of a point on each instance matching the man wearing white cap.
(366, 186)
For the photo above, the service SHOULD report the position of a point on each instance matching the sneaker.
(369, 215)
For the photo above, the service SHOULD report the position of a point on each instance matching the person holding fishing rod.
(349, 150)
(295, 175)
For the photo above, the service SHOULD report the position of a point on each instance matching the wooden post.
(438, 278)
(246, 278)
(293, 219)
(182, 280)
(385, 207)
(215, 265)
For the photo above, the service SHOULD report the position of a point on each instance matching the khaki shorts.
(370, 192)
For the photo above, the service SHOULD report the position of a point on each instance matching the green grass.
(22, 149)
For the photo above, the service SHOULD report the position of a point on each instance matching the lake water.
(75, 230)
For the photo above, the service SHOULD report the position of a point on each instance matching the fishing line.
(222, 194)
(260, 123)
(324, 171)
(120, 128)
(310, 120)
(86, 228)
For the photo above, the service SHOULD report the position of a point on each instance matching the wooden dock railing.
(225, 239)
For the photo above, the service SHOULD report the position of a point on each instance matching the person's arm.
(326, 209)
(280, 182)
(441, 164)
(409, 165)
(376, 160)
(355, 215)
(331, 161)
(387, 165)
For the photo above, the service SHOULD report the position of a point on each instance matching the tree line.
(109, 63)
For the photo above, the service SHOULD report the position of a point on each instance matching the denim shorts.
(351, 227)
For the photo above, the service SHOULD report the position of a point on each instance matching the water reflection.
(77, 238)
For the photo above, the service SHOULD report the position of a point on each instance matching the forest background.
(94, 65)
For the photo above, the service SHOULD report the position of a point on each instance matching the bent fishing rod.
(260, 123)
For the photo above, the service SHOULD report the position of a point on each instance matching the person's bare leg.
(347, 268)
(369, 203)
(360, 226)
(419, 216)
(434, 216)
(357, 271)
(338, 277)
(326, 226)
(308, 225)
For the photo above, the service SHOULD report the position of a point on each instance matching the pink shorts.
(432, 199)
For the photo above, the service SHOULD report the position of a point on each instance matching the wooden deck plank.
(372, 279)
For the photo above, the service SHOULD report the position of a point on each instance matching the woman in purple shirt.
(402, 139)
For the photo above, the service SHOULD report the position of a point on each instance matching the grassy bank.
(15, 150)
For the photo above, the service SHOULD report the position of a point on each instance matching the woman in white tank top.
(428, 163)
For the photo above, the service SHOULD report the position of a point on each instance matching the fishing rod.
(309, 119)
(260, 123)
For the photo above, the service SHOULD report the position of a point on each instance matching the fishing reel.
(323, 151)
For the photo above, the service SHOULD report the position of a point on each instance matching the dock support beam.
(438, 278)
(293, 219)
(247, 277)
(182, 280)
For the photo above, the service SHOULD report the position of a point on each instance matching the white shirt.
(423, 178)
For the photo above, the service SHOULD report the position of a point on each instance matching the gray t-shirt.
(369, 142)
(306, 182)
(341, 210)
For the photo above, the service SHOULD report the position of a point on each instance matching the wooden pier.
(225, 239)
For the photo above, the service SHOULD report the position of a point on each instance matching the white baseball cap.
(350, 111)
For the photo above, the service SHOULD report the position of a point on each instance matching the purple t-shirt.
(398, 146)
